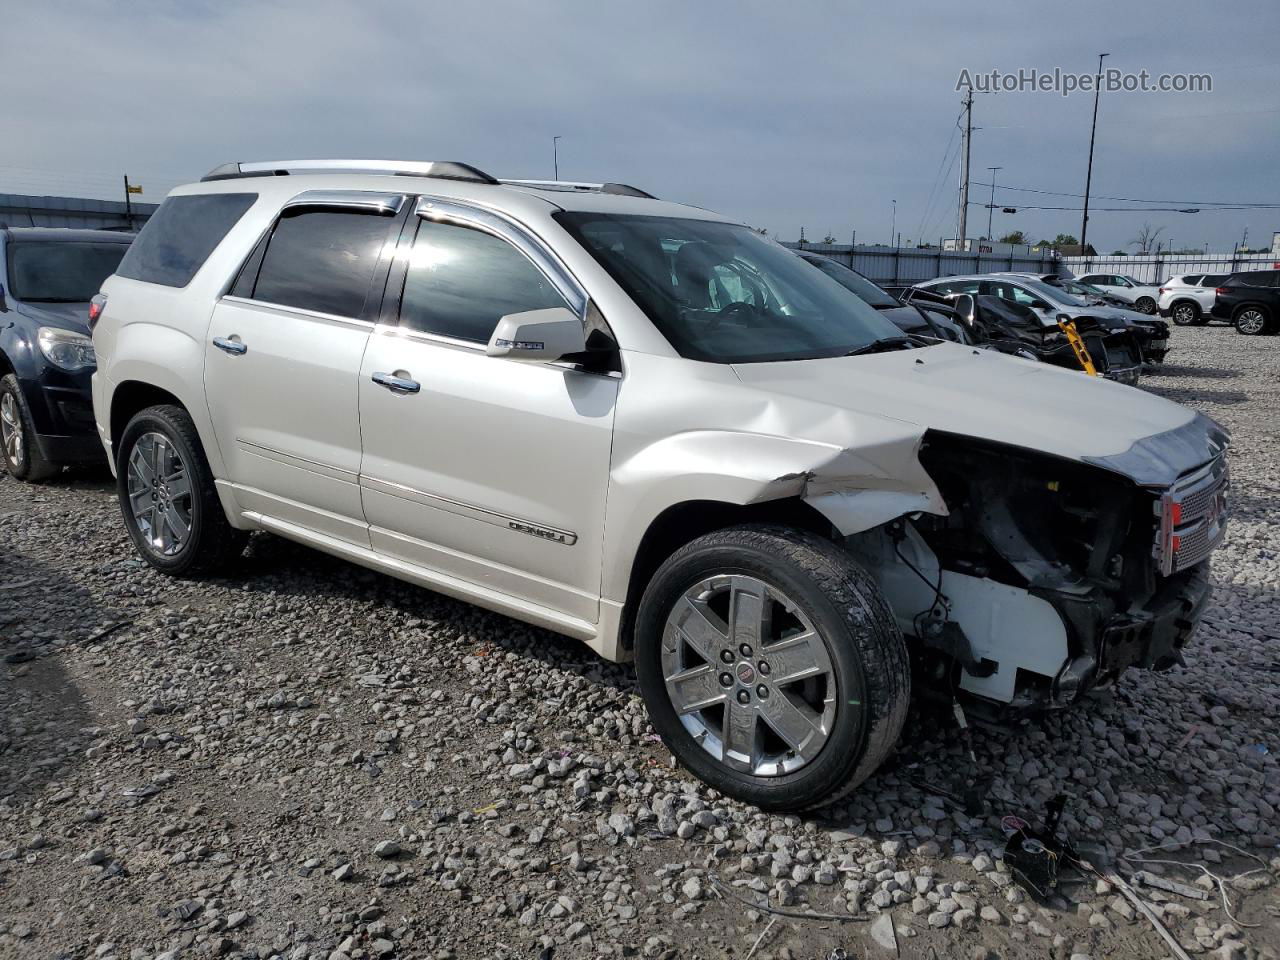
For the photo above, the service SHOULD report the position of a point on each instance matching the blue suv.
(47, 278)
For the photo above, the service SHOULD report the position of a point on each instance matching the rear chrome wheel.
(749, 675)
(1186, 314)
(1251, 321)
(167, 495)
(160, 494)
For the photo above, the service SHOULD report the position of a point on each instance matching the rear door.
(283, 360)
(489, 470)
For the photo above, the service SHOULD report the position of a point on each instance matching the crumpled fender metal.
(856, 487)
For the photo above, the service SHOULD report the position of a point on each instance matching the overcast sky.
(783, 114)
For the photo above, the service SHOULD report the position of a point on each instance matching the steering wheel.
(731, 310)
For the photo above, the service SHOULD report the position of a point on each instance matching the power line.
(1241, 204)
(1027, 206)
(938, 178)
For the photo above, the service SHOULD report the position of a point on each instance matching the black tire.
(212, 543)
(1252, 320)
(1186, 313)
(28, 464)
(1145, 305)
(868, 656)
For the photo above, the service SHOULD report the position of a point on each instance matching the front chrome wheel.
(159, 490)
(11, 434)
(748, 675)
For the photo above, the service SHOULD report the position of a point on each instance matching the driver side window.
(461, 281)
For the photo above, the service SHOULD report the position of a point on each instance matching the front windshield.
(61, 271)
(721, 292)
(855, 282)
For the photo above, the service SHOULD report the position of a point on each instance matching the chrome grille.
(1193, 517)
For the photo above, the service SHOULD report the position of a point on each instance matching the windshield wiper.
(883, 345)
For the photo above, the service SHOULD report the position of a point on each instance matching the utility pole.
(964, 171)
(1088, 177)
(893, 227)
(128, 203)
(555, 155)
(991, 207)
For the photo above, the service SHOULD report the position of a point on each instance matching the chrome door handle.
(233, 347)
(396, 384)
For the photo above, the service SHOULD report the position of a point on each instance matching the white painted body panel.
(285, 413)
(455, 477)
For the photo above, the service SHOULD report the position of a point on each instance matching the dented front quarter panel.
(717, 439)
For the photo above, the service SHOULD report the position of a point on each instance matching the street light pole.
(1088, 177)
(555, 155)
(991, 207)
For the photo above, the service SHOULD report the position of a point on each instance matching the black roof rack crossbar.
(571, 186)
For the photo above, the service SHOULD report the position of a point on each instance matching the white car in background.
(1187, 299)
(1143, 296)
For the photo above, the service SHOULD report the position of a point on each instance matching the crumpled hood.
(979, 393)
(66, 316)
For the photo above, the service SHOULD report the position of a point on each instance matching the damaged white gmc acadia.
(645, 426)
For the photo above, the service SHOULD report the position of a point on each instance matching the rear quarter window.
(179, 237)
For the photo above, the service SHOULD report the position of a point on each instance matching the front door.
(282, 364)
(489, 470)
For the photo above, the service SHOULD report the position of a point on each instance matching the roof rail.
(570, 186)
(440, 169)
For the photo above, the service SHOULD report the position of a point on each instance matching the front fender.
(856, 488)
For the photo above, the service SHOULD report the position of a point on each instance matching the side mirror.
(1039, 305)
(538, 335)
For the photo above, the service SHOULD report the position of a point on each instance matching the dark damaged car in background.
(47, 278)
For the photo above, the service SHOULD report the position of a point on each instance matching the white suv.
(1188, 299)
(1143, 296)
(648, 427)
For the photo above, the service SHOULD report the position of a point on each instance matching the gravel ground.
(310, 760)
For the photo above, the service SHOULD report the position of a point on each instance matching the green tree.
(1064, 240)
(1118, 253)
(1016, 237)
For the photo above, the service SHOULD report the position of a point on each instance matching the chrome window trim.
(300, 312)
(362, 200)
(392, 330)
(543, 258)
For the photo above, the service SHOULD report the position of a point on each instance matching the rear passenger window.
(462, 281)
(179, 237)
(322, 260)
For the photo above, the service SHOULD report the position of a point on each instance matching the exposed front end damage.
(1046, 577)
